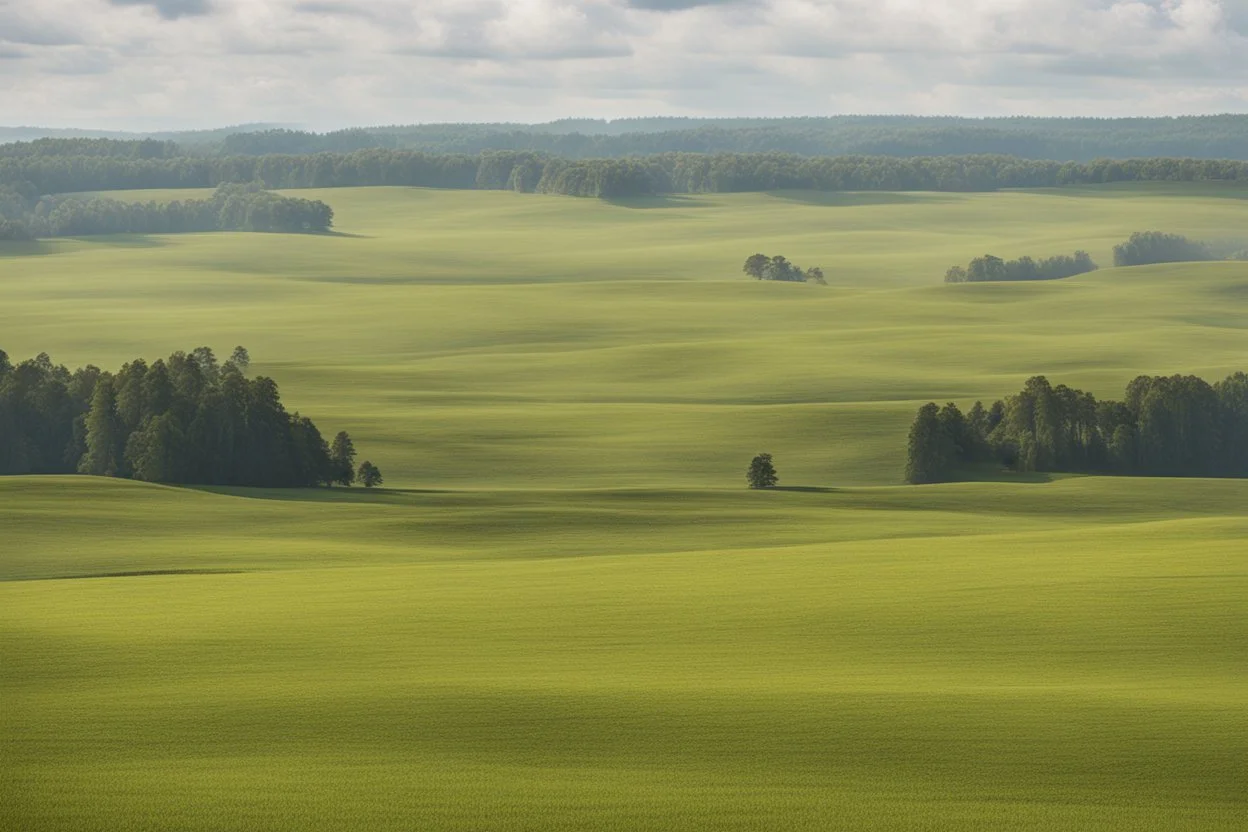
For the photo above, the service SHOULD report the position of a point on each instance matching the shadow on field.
(136, 573)
(28, 248)
(849, 199)
(805, 489)
(123, 240)
(650, 202)
(315, 495)
(344, 234)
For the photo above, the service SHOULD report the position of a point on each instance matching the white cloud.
(183, 63)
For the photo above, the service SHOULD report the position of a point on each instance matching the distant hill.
(1061, 139)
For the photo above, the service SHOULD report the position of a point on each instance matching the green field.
(567, 612)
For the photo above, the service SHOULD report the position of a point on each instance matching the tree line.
(606, 178)
(1165, 426)
(990, 268)
(1073, 139)
(238, 207)
(186, 419)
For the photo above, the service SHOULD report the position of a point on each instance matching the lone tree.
(370, 474)
(762, 473)
(342, 455)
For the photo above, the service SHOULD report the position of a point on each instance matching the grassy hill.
(570, 613)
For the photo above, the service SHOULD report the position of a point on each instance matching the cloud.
(171, 9)
(329, 63)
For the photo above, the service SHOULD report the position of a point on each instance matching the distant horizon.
(253, 126)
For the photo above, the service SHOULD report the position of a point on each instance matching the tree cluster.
(762, 267)
(1146, 247)
(1167, 426)
(238, 207)
(603, 177)
(989, 268)
(185, 419)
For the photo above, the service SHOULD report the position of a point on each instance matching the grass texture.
(570, 614)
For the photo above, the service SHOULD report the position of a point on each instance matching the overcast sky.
(154, 64)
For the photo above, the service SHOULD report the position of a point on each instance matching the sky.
(323, 64)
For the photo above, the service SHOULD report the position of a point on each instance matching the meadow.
(565, 610)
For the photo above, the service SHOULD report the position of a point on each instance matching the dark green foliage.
(931, 452)
(762, 472)
(182, 420)
(762, 267)
(240, 358)
(369, 475)
(989, 268)
(668, 172)
(754, 265)
(1145, 247)
(232, 208)
(1175, 426)
(342, 458)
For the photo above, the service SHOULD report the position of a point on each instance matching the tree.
(369, 474)
(754, 265)
(241, 359)
(762, 472)
(930, 452)
(342, 459)
(105, 439)
(815, 275)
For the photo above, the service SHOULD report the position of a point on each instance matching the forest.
(186, 419)
(1066, 139)
(1164, 426)
(58, 168)
(238, 207)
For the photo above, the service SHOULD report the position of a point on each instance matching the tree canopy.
(184, 419)
(1172, 426)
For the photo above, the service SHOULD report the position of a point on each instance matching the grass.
(568, 614)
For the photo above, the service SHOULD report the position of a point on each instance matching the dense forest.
(185, 419)
(989, 268)
(1167, 426)
(57, 170)
(1065, 139)
(240, 207)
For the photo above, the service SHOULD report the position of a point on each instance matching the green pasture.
(565, 611)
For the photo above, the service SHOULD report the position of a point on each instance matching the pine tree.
(342, 458)
(930, 452)
(104, 433)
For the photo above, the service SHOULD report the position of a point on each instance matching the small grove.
(187, 420)
(1141, 249)
(1170, 426)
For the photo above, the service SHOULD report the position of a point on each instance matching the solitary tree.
(762, 473)
(815, 275)
(342, 458)
(370, 474)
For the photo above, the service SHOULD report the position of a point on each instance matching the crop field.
(565, 610)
